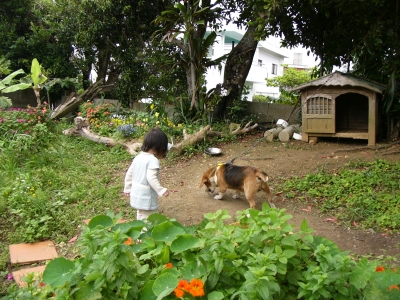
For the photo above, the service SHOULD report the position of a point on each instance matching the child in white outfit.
(141, 179)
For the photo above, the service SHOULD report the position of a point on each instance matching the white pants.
(144, 214)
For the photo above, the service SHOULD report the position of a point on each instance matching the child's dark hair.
(157, 140)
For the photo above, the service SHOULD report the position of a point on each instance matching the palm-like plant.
(185, 25)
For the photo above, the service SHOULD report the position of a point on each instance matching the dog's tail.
(262, 175)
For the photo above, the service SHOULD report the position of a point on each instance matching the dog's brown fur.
(246, 179)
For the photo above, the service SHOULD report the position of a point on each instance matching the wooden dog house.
(340, 105)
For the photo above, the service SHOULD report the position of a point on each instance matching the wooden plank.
(319, 124)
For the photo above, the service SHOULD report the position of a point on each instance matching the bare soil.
(188, 203)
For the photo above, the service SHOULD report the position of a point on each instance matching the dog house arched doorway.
(351, 113)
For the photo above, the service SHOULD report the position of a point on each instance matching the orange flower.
(379, 269)
(393, 287)
(196, 288)
(168, 266)
(179, 293)
(128, 241)
(394, 269)
(183, 284)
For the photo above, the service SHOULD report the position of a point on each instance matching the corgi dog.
(245, 179)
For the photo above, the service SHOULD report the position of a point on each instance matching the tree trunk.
(272, 134)
(237, 68)
(82, 128)
(74, 101)
(286, 134)
(190, 140)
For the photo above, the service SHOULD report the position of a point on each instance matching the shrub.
(258, 257)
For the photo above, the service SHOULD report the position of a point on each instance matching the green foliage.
(263, 99)
(365, 193)
(5, 102)
(291, 77)
(188, 24)
(4, 66)
(21, 121)
(106, 120)
(258, 257)
(7, 84)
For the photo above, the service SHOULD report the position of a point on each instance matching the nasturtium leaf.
(193, 270)
(165, 284)
(147, 291)
(156, 219)
(101, 220)
(164, 257)
(215, 295)
(166, 232)
(58, 272)
(136, 225)
(185, 242)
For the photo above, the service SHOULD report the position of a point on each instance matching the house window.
(274, 69)
(319, 106)
(260, 62)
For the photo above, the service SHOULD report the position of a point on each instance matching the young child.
(141, 179)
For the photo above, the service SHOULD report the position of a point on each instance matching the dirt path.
(187, 203)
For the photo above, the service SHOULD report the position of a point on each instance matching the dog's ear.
(203, 181)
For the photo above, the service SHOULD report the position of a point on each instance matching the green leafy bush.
(365, 193)
(258, 257)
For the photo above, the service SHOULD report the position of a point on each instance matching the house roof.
(338, 78)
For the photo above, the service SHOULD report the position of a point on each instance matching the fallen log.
(190, 140)
(247, 128)
(74, 101)
(82, 129)
(286, 134)
(272, 134)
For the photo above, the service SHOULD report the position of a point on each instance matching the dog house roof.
(338, 78)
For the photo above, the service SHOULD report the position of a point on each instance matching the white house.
(267, 63)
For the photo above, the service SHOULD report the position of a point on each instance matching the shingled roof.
(338, 78)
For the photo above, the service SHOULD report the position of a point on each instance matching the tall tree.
(365, 33)
(236, 70)
(185, 25)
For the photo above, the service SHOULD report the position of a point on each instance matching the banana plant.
(7, 86)
(185, 25)
(37, 78)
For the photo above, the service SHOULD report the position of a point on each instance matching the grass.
(362, 194)
(48, 194)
